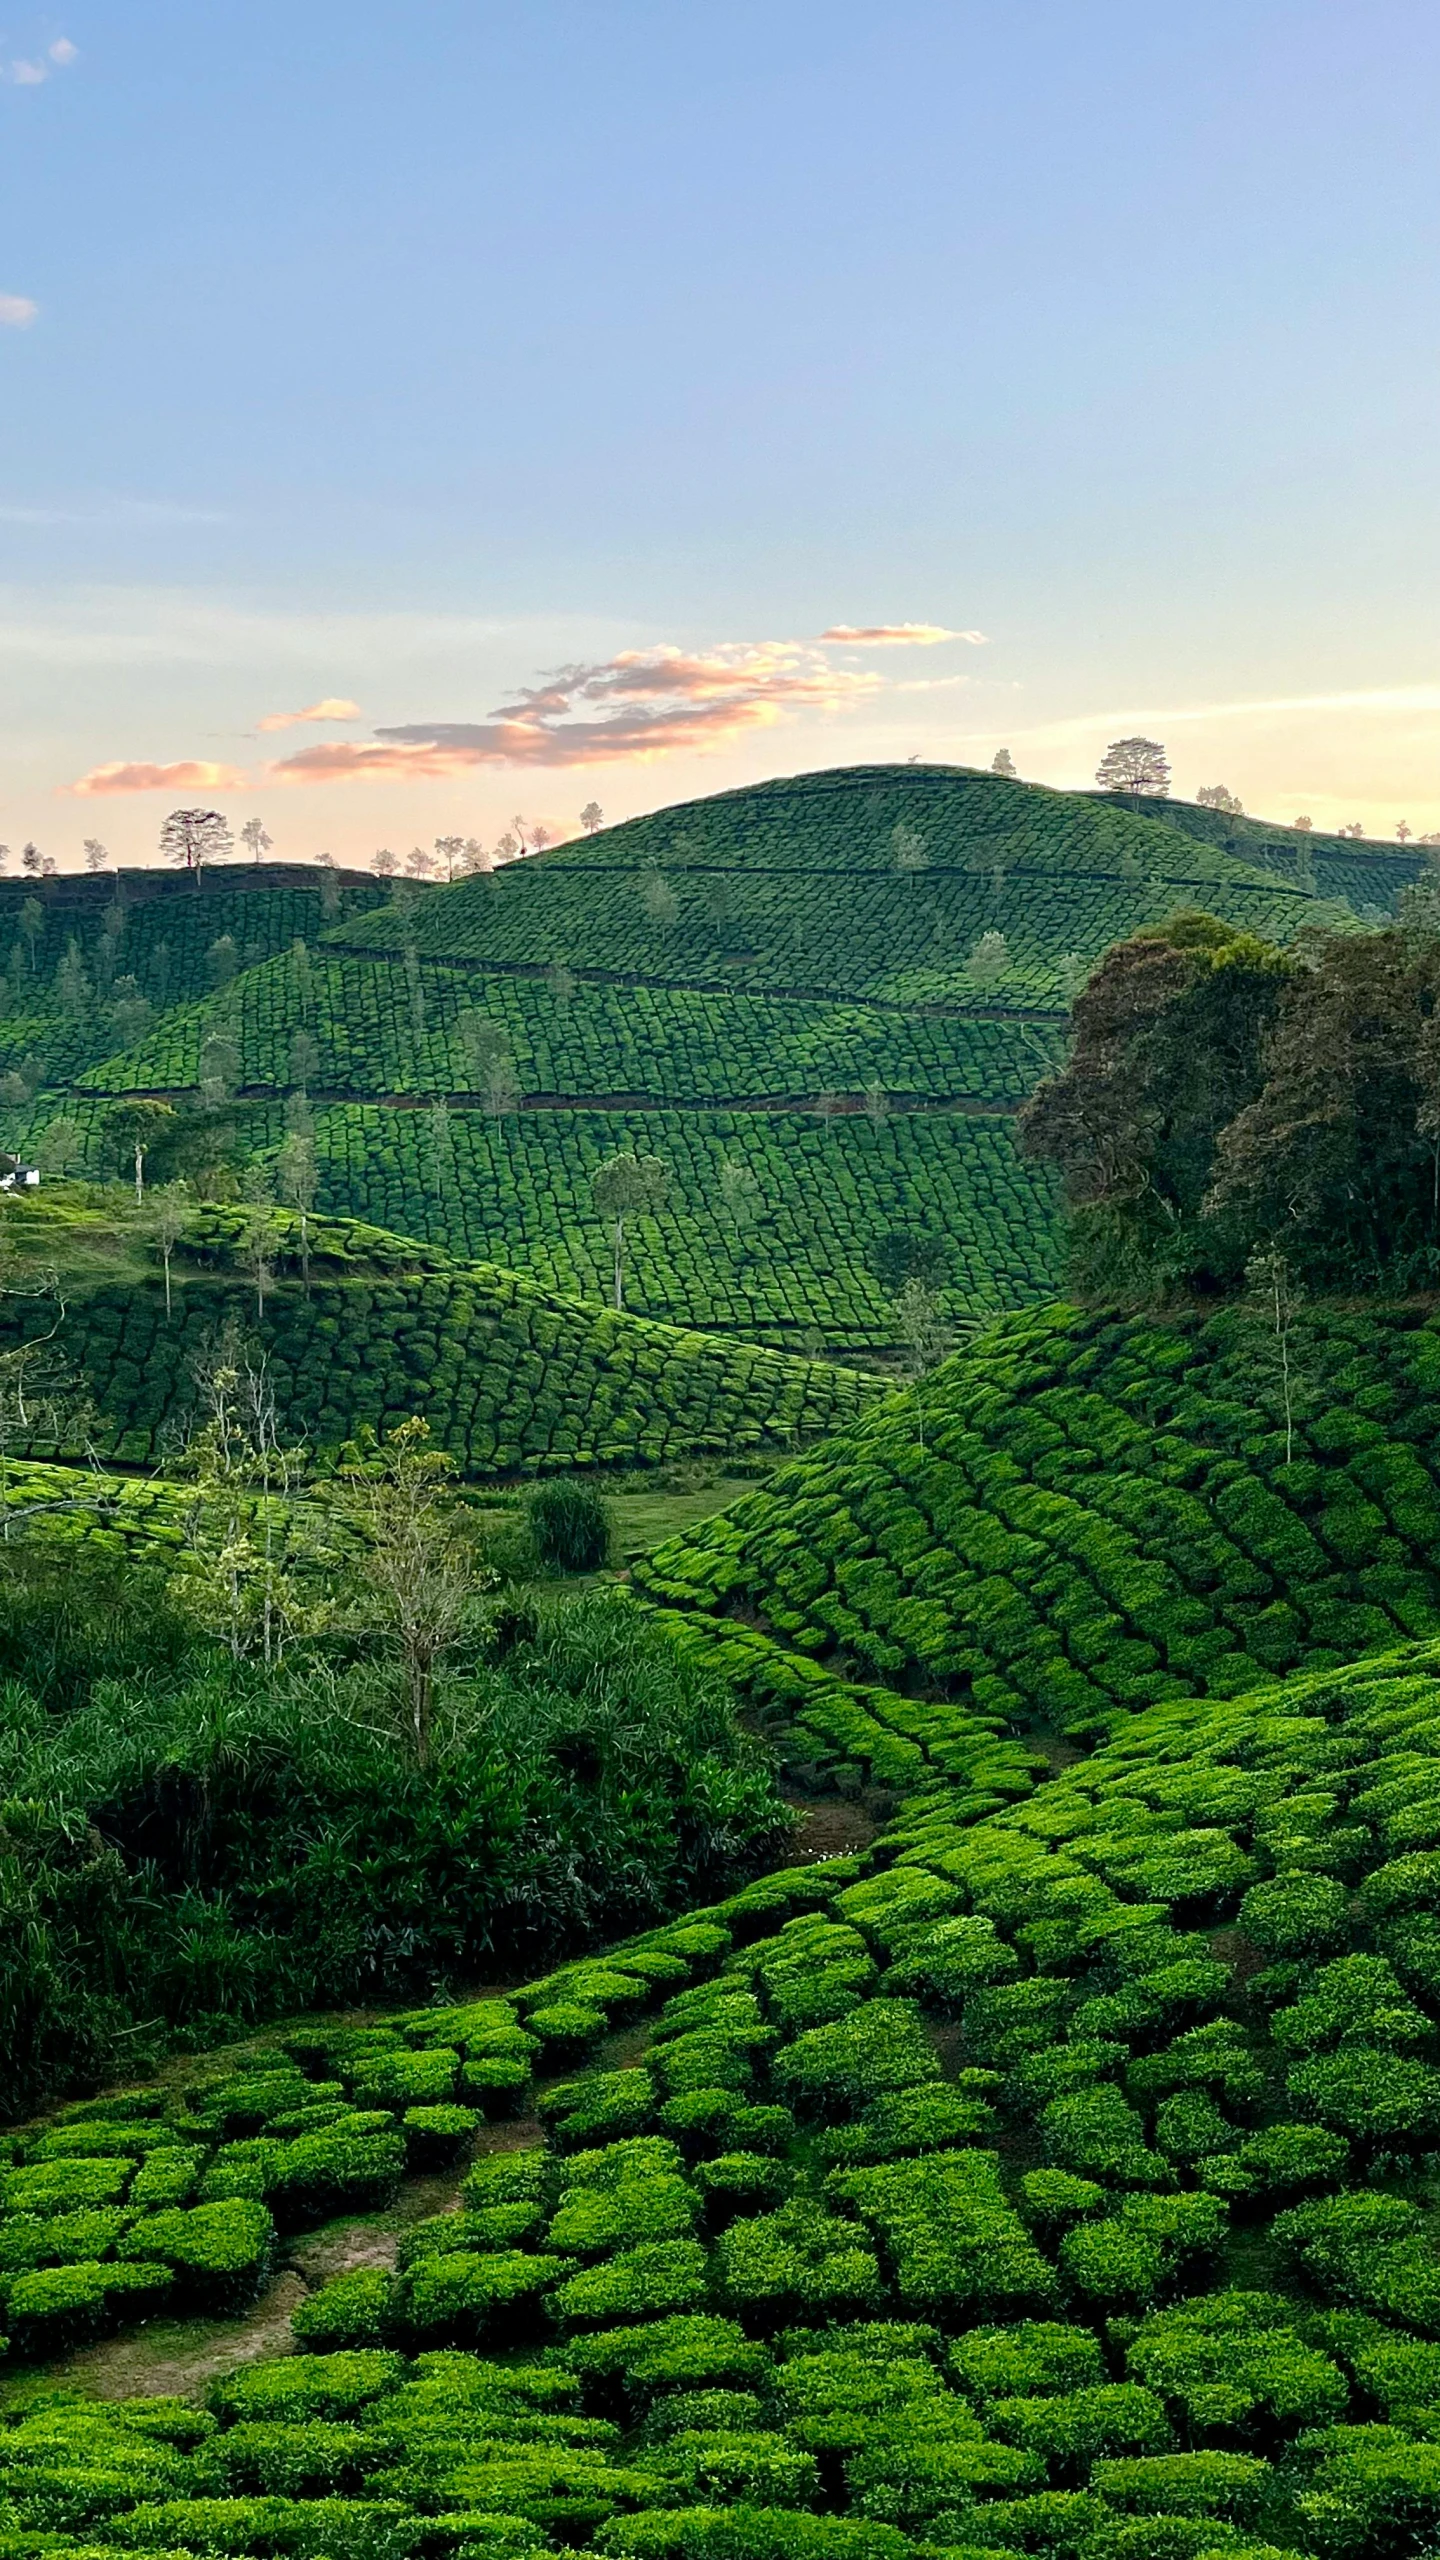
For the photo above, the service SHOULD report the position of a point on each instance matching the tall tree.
(627, 1186)
(96, 857)
(925, 1336)
(417, 1566)
(297, 1173)
(1137, 765)
(1004, 763)
(194, 837)
(592, 817)
(255, 840)
(132, 1129)
(169, 1211)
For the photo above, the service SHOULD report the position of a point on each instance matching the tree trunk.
(619, 1265)
(422, 1684)
(167, 1287)
(140, 1176)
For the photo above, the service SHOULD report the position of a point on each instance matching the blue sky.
(398, 357)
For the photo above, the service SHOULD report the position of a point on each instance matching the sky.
(415, 417)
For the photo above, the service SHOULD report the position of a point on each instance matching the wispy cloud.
(638, 705)
(30, 71)
(115, 781)
(17, 310)
(896, 635)
(334, 707)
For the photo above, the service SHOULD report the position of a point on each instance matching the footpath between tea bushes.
(1055, 2178)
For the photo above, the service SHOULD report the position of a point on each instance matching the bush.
(220, 2253)
(835, 2070)
(352, 2311)
(468, 2296)
(570, 1527)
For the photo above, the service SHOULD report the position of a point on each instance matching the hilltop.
(820, 1002)
(511, 1377)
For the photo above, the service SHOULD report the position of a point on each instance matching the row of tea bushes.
(1048, 2181)
(1366, 876)
(866, 936)
(799, 1271)
(378, 1029)
(160, 930)
(1101, 1513)
(507, 1374)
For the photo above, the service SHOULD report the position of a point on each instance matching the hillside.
(820, 1002)
(1366, 876)
(1056, 2180)
(1102, 1515)
(510, 1376)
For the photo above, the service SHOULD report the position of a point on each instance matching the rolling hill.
(1084, 1513)
(819, 1001)
(511, 1377)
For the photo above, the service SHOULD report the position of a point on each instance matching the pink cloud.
(17, 310)
(895, 635)
(638, 705)
(108, 780)
(334, 707)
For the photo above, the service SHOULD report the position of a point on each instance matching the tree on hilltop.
(1004, 763)
(255, 840)
(96, 857)
(1214, 795)
(1137, 765)
(592, 817)
(193, 837)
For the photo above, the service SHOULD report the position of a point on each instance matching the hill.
(1052, 2180)
(1368, 877)
(1101, 1514)
(819, 1001)
(510, 1376)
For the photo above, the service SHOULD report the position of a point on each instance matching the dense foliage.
(1103, 1513)
(1056, 2180)
(507, 1374)
(187, 1838)
(1224, 1098)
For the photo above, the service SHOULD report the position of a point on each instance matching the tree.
(4, 859)
(30, 860)
(1137, 765)
(304, 1061)
(659, 900)
(1303, 824)
(73, 991)
(626, 1186)
(560, 979)
(96, 857)
(910, 850)
(297, 1173)
(230, 1576)
(417, 1566)
(32, 925)
(482, 1040)
(539, 838)
(1214, 795)
(1071, 973)
(925, 1335)
(1403, 832)
(1269, 1309)
(592, 817)
(740, 1198)
(448, 851)
(193, 837)
(222, 962)
(169, 1210)
(259, 1234)
(989, 959)
(473, 857)
(418, 863)
(384, 863)
(877, 1104)
(1005, 763)
(442, 1149)
(221, 1066)
(131, 1130)
(60, 1146)
(256, 842)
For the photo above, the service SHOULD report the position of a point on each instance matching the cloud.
(334, 707)
(64, 52)
(28, 75)
(107, 781)
(896, 635)
(638, 705)
(17, 310)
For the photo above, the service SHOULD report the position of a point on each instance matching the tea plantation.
(1085, 1512)
(819, 1002)
(1056, 2177)
(507, 1374)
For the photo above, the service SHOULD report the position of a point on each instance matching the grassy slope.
(718, 1053)
(1367, 876)
(509, 1375)
(1211, 2180)
(1102, 1514)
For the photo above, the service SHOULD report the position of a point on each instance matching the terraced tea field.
(1048, 2177)
(819, 1002)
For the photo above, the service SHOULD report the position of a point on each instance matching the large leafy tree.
(1168, 1048)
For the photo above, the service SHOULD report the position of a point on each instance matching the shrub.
(468, 2296)
(54, 2308)
(696, 2352)
(1073, 2427)
(953, 2241)
(1295, 1915)
(220, 2253)
(307, 2386)
(597, 2107)
(570, 1527)
(435, 2136)
(351, 2311)
(835, 2070)
(636, 2284)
